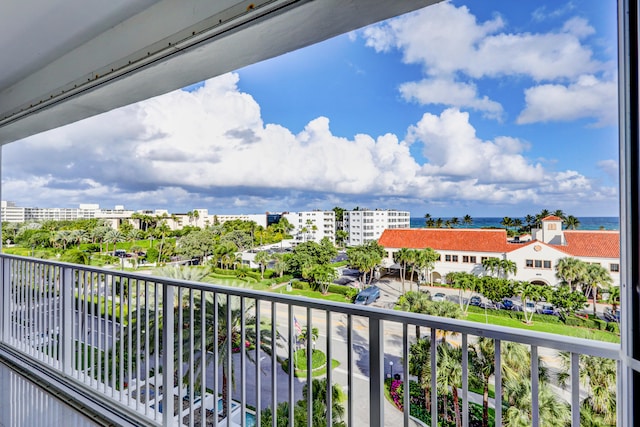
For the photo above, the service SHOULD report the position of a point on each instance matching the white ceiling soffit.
(65, 60)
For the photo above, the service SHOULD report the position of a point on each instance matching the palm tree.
(415, 302)
(507, 222)
(614, 297)
(228, 334)
(449, 377)
(464, 282)
(571, 222)
(598, 375)
(570, 270)
(483, 367)
(319, 410)
(560, 214)
(531, 292)
(262, 258)
(425, 260)
(492, 266)
(420, 366)
(113, 236)
(162, 229)
(279, 264)
(402, 257)
(467, 220)
(507, 267)
(552, 412)
(597, 276)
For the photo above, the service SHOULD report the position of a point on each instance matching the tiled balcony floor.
(24, 404)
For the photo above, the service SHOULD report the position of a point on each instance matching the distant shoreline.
(586, 223)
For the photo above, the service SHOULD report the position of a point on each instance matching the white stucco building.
(464, 249)
(312, 225)
(367, 225)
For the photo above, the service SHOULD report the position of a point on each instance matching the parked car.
(507, 304)
(610, 315)
(546, 308)
(439, 297)
(369, 295)
(530, 307)
(475, 300)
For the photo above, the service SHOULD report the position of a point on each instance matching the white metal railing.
(171, 352)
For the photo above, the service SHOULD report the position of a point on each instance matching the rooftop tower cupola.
(551, 231)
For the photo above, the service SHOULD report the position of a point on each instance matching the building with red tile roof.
(462, 250)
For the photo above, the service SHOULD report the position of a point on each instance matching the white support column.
(168, 354)
(5, 306)
(68, 309)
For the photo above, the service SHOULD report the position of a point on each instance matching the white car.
(439, 297)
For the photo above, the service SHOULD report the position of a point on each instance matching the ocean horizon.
(586, 223)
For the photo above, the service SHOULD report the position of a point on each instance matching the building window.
(465, 258)
(551, 226)
(614, 267)
(529, 263)
(472, 259)
(454, 258)
(538, 263)
(547, 264)
(447, 258)
(484, 258)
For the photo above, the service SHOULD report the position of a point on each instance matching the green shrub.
(613, 327)
(338, 289)
(300, 284)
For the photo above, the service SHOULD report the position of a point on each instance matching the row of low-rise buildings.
(463, 250)
(361, 225)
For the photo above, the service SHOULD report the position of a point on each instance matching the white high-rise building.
(367, 225)
(312, 225)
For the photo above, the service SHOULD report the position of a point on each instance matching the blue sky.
(487, 108)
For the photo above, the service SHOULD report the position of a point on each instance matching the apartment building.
(312, 225)
(366, 225)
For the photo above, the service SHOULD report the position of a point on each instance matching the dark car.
(507, 304)
(475, 300)
(369, 295)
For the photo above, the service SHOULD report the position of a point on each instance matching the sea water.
(586, 223)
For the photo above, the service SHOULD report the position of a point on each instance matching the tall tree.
(262, 259)
(415, 302)
(597, 277)
(571, 271)
(571, 222)
(402, 257)
(420, 366)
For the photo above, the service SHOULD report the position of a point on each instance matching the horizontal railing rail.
(174, 352)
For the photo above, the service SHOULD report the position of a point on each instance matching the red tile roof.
(552, 218)
(478, 240)
(598, 244)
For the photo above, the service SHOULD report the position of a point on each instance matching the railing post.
(5, 307)
(68, 309)
(168, 354)
(376, 366)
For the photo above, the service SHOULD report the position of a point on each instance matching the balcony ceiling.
(64, 60)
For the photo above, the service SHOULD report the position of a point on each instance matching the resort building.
(12, 213)
(312, 225)
(463, 250)
(366, 225)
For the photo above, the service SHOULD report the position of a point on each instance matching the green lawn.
(313, 294)
(538, 325)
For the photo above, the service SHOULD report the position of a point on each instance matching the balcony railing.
(167, 352)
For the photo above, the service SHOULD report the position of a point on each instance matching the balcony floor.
(23, 403)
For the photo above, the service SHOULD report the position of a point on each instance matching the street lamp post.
(391, 366)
